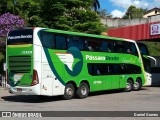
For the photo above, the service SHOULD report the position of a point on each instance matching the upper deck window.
(76, 41)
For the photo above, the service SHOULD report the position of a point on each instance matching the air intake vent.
(20, 64)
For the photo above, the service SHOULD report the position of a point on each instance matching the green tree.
(10, 6)
(103, 14)
(30, 11)
(27, 9)
(73, 15)
(133, 13)
(2, 60)
(2, 54)
(3, 6)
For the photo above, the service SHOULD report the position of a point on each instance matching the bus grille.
(20, 64)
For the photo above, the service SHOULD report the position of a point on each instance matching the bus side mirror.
(152, 58)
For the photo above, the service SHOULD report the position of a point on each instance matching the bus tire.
(137, 85)
(83, 90)
(129, 86)
(69, 91)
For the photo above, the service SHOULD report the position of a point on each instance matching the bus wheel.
(69, 91)
(129, 86)
(137, 85)
(83, 90)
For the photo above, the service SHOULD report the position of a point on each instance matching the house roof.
(153, 9)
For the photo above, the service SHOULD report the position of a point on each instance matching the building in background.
(152, 12)
(146, 32)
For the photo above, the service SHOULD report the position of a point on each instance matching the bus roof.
(77, 33)
(82, 34)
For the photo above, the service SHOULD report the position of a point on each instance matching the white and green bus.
(49, 62)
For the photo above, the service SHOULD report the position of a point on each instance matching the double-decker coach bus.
(51, 62)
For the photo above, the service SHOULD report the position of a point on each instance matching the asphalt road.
(147, 99)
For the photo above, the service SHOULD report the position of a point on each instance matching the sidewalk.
(1, 88)
(3, 92)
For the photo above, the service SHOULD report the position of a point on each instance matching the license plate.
(19, 89)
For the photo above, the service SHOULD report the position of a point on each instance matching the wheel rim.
(136, 85)
(83, 90)
(69, 91)
(128, 86)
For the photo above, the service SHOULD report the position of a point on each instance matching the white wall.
(115, 23)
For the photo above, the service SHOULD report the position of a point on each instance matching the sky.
(118, 7)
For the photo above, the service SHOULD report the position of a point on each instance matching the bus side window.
(93, 69)
(118, 46)
(116, 69)
(123, 68)
(107, 69)
(89, 45)
(135, 69)
(130, 48)
(101, 68)
(109, 47)
(96, 70)
(104, 46)
(90, 69)
(85, 46)
(98, 44)
(47, 39)
(60, 41)
(112, 46)
(75, 41)
(134, 49)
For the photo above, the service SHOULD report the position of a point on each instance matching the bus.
(50, 62)
(151, 65)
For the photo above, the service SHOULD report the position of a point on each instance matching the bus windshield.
(18, 37)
